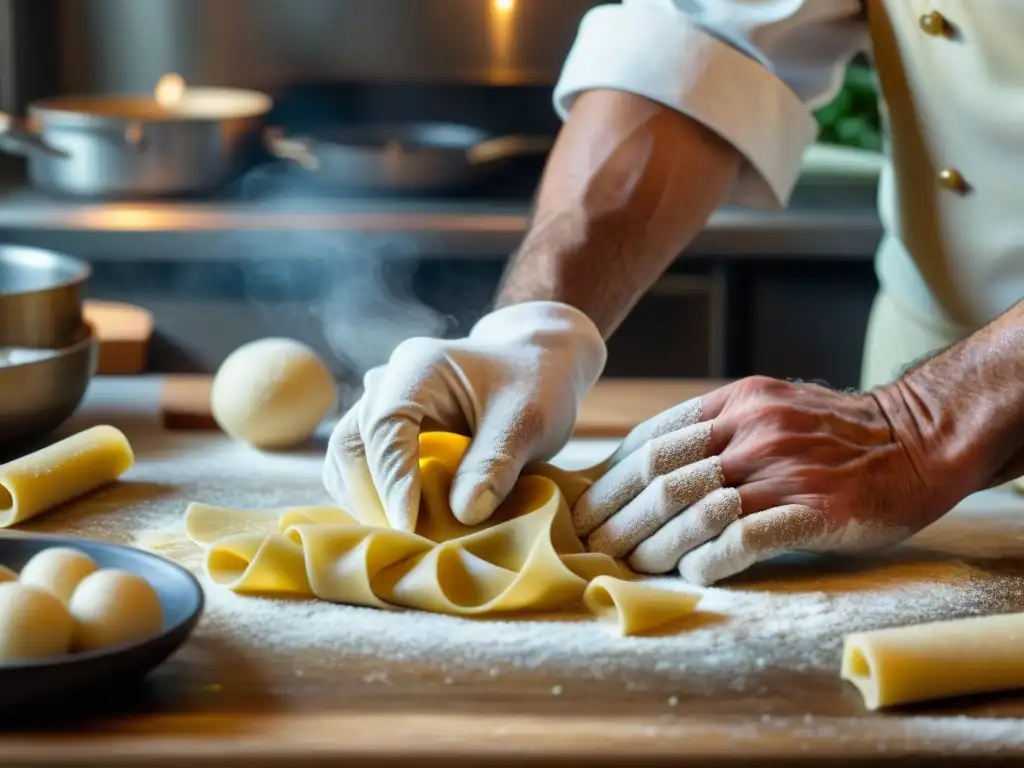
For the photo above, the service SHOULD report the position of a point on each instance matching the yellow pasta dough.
(636, 607)
(526, 557)
(938, 660)
(60, 472)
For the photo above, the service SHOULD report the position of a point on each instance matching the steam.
(367, 314)
(353, 290)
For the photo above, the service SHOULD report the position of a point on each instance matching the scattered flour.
(737, 634)
(789, 616)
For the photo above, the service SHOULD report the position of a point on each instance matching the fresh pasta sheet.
(525, 558)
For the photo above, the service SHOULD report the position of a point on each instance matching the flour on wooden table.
(793, 616)
(739, 632)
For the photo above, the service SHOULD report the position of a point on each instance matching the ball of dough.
(272, 393)
(57, 570)
(113, 607)
(33, 624)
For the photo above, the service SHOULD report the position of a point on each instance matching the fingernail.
(480, 507)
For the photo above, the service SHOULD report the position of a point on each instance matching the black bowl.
(42, 682)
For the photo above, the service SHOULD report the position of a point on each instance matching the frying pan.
(401, 156)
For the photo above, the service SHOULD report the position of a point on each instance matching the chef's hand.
(754, 469)
(514, 385)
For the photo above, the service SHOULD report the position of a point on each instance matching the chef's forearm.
(627, 187)
(962, 411)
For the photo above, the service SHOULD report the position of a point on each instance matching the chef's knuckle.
(421, 349)
(350, 446)
(659, 455)
(649, 459)
(774, 414)
(345, 442)
(707, 514)
(492, 464)
(664, 490)
(373, 377)
(381, 433)
(759, 386)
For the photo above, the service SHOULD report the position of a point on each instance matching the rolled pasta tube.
(60, 472)
(938, 660)
(635, 608)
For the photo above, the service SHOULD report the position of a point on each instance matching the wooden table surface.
(220, 704)
(611, 409)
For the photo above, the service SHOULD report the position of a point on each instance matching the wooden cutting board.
(123, 331)
(611, 410)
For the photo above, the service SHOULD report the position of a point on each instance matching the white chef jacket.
(951, 198)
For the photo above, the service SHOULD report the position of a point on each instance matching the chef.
(672, 108)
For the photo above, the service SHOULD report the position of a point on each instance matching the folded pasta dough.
(938, 660)
(525, 557)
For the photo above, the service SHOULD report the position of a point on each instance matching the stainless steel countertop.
(822, 222)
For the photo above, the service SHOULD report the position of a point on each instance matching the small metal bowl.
(40, 297)
(40, 389)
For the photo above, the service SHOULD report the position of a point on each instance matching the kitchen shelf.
(818, 226)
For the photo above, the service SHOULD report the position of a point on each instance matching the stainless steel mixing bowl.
(40, 297)
(40, 389)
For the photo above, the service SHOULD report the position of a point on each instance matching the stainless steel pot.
(40, 297)
(132, 146)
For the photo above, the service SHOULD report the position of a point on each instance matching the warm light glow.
(130, 218)
(170, 89)
(502, 36)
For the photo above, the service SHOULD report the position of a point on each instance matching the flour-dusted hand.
(754, 469)
(514, 385)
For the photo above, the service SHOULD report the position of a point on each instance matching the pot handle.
(296, 149)
(133, 135)
(18, 138)
(504, 147)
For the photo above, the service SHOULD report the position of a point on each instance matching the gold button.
(934, 23)
(953, 180)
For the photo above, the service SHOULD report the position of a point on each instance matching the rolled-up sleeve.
(752, 71)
